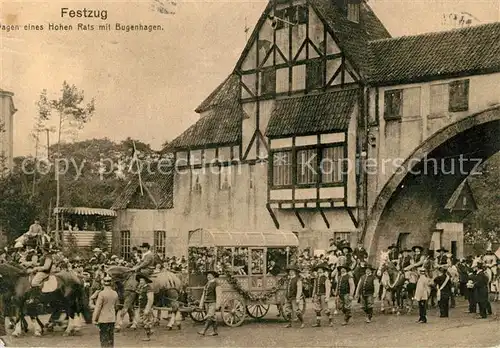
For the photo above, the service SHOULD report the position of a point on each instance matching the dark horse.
(63, 293)
(166, 285)
(392, 282)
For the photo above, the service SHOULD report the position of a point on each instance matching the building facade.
(322, 108)
(7, 111)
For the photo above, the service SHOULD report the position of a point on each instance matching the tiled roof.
(222, 125)
(222, 94)
(315, 113)
(159, 183)
(410, 58)
(352, 37)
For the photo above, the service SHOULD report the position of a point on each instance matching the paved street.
(461, 329)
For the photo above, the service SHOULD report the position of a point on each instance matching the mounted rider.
(490, 261)
(417, 259)
(405, 259)
(42, 271)
(147, 264)
(393, 254)
(442, 260)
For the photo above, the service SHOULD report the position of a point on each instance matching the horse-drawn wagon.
(252, 268)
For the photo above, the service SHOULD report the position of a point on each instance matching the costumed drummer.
(145, 297)
(210, 301)
(321, 293)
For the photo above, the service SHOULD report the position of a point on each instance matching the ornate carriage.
(252, 268)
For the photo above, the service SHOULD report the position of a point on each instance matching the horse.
(166, 285)
(60, 291)
(392, 282)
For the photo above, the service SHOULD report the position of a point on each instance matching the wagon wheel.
(198, 315)
(233, 312)
(302, 307)
(257, 311)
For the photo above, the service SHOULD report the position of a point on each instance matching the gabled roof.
(313, 113)
(351, 37)
(412, 58)
(456, 203)
(161, 180)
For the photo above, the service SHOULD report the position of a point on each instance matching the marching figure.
(345, 292)
(145, 297)
(444, 292)
(481, 291)
(422, 293)
(293, 296)
(105, 313)
(210, 300)
(366, 289)
(321, 293)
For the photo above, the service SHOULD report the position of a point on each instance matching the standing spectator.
(422, 295)
(105, 313)
(481, 291)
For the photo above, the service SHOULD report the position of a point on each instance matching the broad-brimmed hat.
(347, 247)
(96, 250)
(422, 270)
(413, 248)
(145, 245)
(392, 246)
(213, 272)
(342, 266)
(322, 265)
(293, 268)
(406, 250)
(143, 276)
(367, 266)
(442, 249)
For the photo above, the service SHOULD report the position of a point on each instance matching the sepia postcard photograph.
(249, 173)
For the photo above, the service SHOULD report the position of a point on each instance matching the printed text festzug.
(84, 13)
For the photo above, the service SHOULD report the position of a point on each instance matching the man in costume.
(321, 293)
(366, 291)
(42, 271)
(442, 260)
(443, 283)
(147, 264)
(350, 261)
(360, 253)
(393, 254)
(210, 301)
(293, 296)
(145, 297)
(345, 292)
(490, 261)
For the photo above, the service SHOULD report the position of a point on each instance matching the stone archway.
(414, 195)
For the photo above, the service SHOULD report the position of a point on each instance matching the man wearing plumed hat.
(321, 293)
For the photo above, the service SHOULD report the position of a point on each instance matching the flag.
(135, 159)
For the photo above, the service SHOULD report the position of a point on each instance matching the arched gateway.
(412, 198)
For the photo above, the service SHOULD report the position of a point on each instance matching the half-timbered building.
(320, 89)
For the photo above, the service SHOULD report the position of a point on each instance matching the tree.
(72, 114)
(71, 245)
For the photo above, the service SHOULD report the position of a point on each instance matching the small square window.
(315, 73)
(268, 81)
(459, 96)
(393, 101)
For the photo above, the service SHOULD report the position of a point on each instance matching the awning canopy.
(211, 238)
(84, 211)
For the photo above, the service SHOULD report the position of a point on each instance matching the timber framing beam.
(299, 218)
(323, 215)
(273, 216)
(353, 218)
